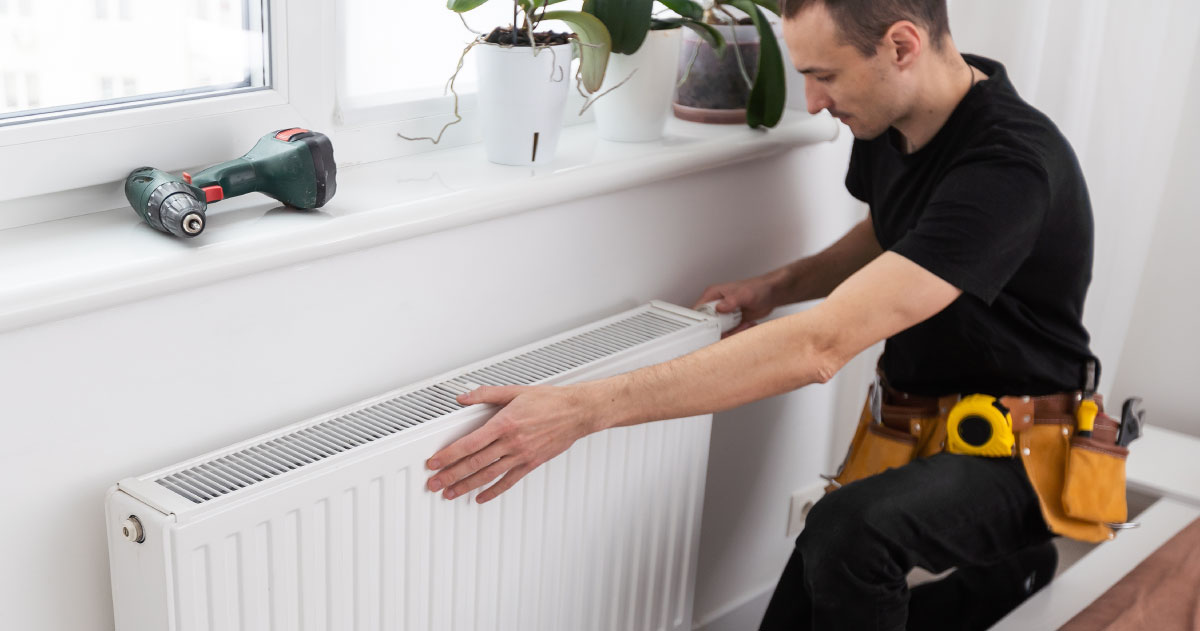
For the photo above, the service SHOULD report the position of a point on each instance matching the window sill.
(63, 268)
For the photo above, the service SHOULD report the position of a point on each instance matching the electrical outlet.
(801, 502)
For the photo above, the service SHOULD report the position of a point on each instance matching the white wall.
(765, 451)
(1113, 75)
(126, 390)
(1159, 359)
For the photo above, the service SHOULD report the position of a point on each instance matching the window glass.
(58, 57)
(411, 47)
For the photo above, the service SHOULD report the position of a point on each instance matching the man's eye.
(825, 78)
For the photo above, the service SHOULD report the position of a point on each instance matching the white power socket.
(802, 501)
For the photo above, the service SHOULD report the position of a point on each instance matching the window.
(127, 54)
(181, 84)
(101, 87)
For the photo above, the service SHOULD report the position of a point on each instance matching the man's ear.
(903, 43)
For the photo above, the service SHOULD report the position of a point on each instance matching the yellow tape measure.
(979, 425)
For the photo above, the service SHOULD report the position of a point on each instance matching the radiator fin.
(270, 458)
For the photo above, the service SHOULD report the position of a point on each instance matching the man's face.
(863, 92)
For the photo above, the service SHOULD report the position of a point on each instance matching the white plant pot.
(637, 110)
(521, 101)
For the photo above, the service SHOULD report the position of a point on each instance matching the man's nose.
(815, 96)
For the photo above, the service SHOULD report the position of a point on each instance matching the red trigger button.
(187, 177)
(213, 194)
(286, 134)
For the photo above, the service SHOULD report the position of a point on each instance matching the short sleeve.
(855, 175)
(981, 224)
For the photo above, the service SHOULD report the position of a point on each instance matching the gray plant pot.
(715, 90)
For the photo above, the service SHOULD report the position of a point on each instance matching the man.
(973, 265)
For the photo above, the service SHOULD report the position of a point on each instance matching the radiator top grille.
(261, 461)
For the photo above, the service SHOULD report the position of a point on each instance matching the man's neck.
(944, 87)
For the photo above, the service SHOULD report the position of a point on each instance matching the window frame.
(101, 147)
(92, 154)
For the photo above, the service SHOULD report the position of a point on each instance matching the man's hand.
(754, 296)
(536, 424)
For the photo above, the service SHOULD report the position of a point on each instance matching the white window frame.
(76, 165)
(100, 148)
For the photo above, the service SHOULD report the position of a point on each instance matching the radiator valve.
(132, 529)
(728, 321)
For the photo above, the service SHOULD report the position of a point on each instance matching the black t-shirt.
(996, 205)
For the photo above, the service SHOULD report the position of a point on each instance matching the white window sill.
(63, 268)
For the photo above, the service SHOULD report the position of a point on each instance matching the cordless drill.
(294, 166)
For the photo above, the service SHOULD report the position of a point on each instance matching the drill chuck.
(182, 215)
(174, 207)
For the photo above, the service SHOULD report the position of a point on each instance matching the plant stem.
(514, 26)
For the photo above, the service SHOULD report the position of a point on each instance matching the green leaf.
(769, 93)
(462, 6)
(770, 5)
(593, 55)
(707, 32)
(685, 8)
(626, 20)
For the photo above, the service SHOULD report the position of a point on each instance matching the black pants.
(850, 566)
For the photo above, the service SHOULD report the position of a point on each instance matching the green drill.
(294, 166)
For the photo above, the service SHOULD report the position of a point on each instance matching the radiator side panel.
(142, 591)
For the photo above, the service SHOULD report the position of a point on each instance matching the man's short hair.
(863, 23)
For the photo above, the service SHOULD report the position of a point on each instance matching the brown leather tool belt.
(896, 428)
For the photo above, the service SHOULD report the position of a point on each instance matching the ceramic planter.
(637, 110)
(521, 100)
(715, 91)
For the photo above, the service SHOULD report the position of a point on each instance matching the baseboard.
(741, 614)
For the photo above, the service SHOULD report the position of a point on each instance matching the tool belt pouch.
(875, 448)
(1094, 483)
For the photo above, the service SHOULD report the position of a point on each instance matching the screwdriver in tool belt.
(1085, 417)
(1085, 414)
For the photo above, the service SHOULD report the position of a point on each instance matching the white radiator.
(326, 524)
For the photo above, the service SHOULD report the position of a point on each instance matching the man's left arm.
(887, 296)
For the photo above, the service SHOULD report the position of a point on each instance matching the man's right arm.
(809, 278)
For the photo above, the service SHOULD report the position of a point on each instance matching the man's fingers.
(512, 477)
(496, 395)
(479, 478)
(709, 295)
(465, 466)
(726, 301)
(464, 446)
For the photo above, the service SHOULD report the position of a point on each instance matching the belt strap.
(899, 408)
(1050, 408)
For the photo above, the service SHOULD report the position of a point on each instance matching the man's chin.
(862, 133)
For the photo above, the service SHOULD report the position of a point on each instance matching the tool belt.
(1079, 480)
